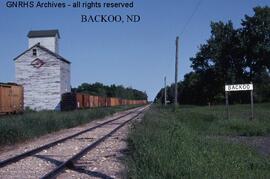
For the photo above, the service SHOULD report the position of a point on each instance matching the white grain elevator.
(44, 74)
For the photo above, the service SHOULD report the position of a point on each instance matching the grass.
(213, 121)
(177, 145)
(18, 128)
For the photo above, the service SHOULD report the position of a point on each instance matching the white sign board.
(239, 87)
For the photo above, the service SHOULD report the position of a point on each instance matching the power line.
(190, 18)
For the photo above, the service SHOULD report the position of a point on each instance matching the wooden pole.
(227, 105)
(252, 105)
(176, 73)
(165, 91)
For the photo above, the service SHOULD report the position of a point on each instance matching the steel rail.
(70, 162)
(46, 146)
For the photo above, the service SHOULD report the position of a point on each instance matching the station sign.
(239, 87)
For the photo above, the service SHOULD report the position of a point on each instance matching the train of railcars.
(72, 101)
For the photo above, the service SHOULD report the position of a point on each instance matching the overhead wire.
(191, 16)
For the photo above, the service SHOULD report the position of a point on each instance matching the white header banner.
(239, 87)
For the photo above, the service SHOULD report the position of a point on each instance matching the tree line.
(230, 56)
(118, 91)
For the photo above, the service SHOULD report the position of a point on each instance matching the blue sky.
(137, 55)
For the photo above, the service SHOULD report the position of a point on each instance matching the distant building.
(44, 74)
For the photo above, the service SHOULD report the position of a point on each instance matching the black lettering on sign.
(239, 87)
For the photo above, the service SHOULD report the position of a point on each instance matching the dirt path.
(260, 143)
(105, 161)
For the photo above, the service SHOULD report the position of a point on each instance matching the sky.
(136, 55)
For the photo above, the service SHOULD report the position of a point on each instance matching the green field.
(18, 128)
(187, 143)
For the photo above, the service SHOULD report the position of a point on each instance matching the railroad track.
(69, 162)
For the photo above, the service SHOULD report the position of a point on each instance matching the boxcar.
(86, 101)
(110, 102)
(79, 100)
(11, 98)
(101, 101)
(68, 102)
(91, 101)
(95, 101)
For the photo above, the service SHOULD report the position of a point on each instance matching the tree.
(255, 41)
(120, 91)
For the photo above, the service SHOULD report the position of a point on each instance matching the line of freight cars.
(11, 100)
(71, 101)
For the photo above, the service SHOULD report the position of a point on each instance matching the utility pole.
(176, 73)
(165, 91)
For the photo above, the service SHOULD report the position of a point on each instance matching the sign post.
(227, 105)
(252, 105)
(240, 87)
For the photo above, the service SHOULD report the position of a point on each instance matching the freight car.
(11, 98)
(72, 101)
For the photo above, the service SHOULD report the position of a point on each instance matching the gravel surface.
(102, 162)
